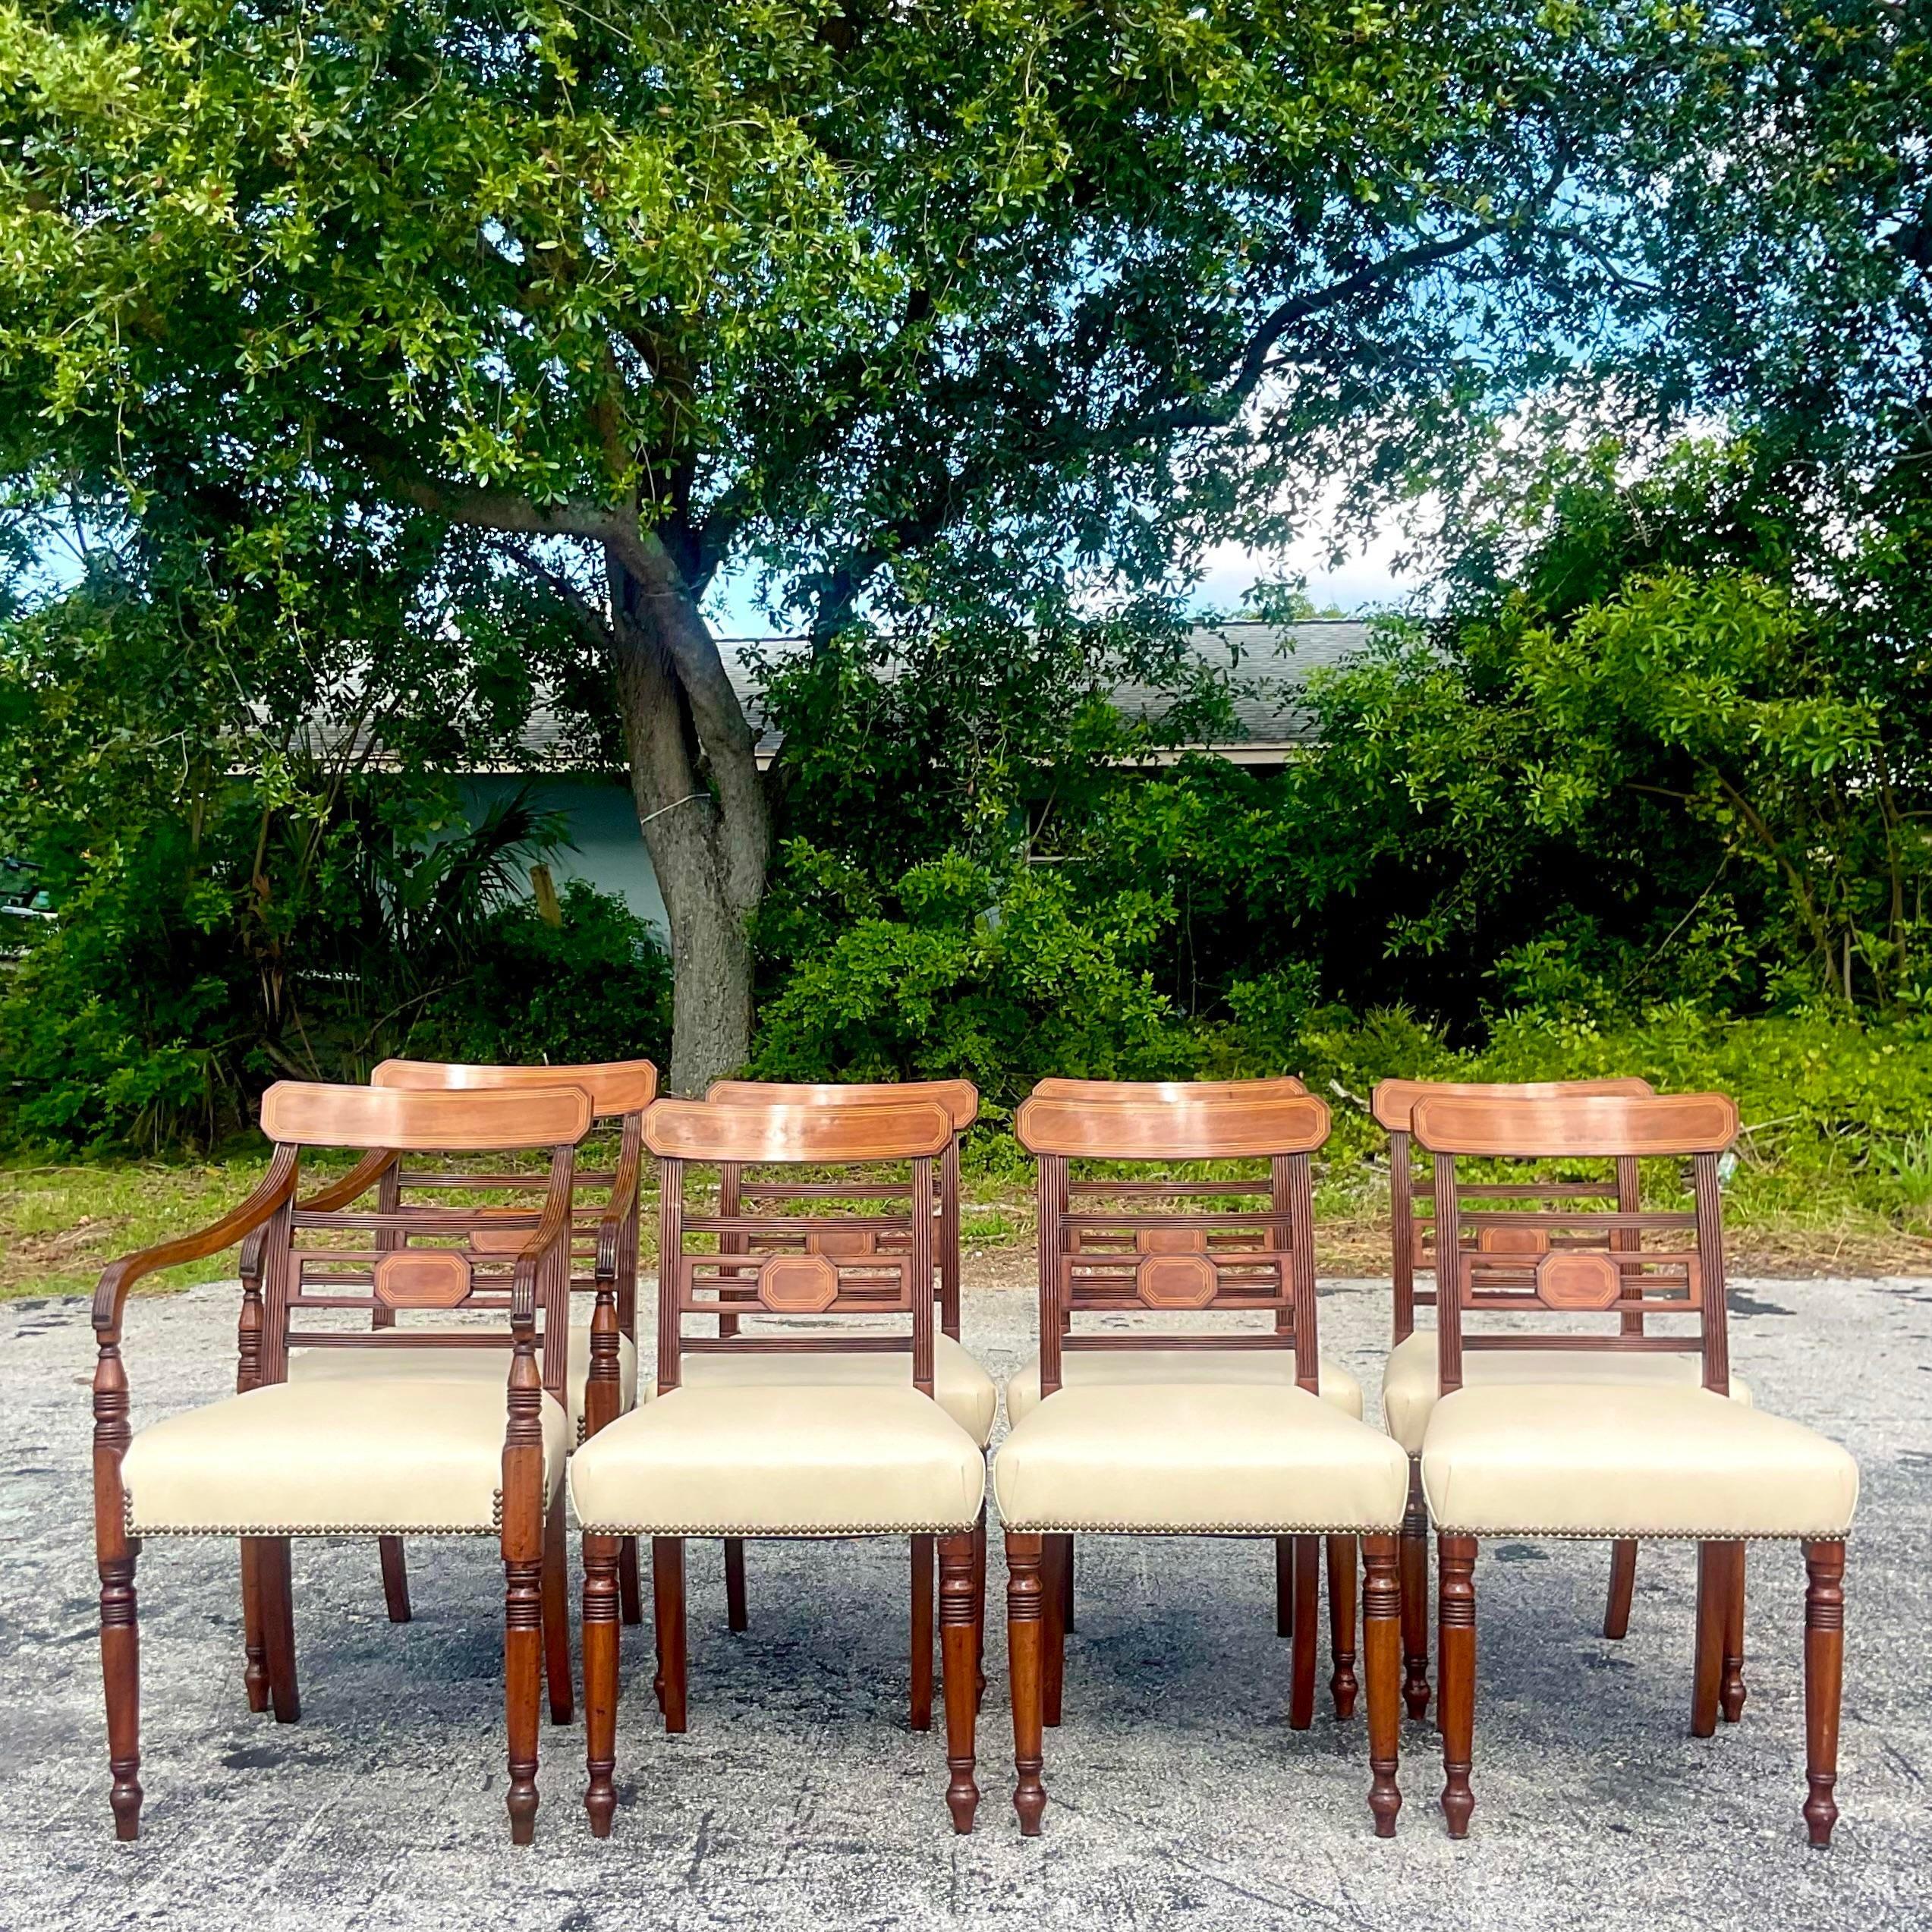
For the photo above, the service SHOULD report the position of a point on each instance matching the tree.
(910, 307)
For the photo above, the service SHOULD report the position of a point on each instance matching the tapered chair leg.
(1053, 1665)
(1731, 1692)
(961, 1614)
(1824, 1683)
(1026, 1645)
(602, 1610)
(1307, 1586)
(922, 1633)
(1623, 1584)
(1713, 1580)
(736, 1616)
(1284, 1586)
(1415, 1596)
(255, 1665)
(668, 1596)
(396, 1577)
(121, 1677)
(277, 1594)
(523, 1685)
(1382, 1607)
(631, 1593)
(1455, 1653)
(556, 1613)
(1342, 1683)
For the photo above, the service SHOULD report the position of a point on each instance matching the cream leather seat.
(490, 1365)
(1614, 1460)
(961, 1386)
(1412, 1383)
(1205, 1458)
(334, 1455)
(1268, 1368)
(779, 1460)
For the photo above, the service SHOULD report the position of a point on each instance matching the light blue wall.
(607, 850)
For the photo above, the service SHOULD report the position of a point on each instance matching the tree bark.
(701, 808)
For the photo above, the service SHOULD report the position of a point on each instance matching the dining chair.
(1608, 1458)
(1409, 1383)
(1336, 1385)
(1258, 1454)
(289, 1458)
(962, 1387)
(603, 1244)
(807, 1457)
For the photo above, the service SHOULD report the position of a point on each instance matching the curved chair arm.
(272, 1192)
(621, 1214)
(357, 1182)
(553, 1226)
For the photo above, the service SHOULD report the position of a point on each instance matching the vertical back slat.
(670, 1271)
(1450, 1263)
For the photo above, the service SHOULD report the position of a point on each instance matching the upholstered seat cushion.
(1198, 1458)
(332, 1454)
(1411, 1384)
(960, 1386)
(492, 1365)
(781, 1459)
(1623, 1461)
(1086, 1368)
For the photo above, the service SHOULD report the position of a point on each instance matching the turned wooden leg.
(922, 1633)
(255, 1666)
(1456, 1651)
(960, 1616)
(1731, 1692)
(736, 1617)
(630, 1589)
(1623, 1583)
(121, 1677)
(1341, 1684)
(523, 1687)
(1713, 1578)
(1053, 1664)
(1307, 1586)
(277, 1593)
(1824, 1682)
(1415, 1596)
(1382, 1643)
(668, 1601)
(556, 1613)
(396, 1577)
(602, 1610)
(1284, 1586)
(1026, 1644)
(979, 1598)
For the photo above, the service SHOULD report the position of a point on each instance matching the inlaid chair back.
(811, 1265)
(960, 1099)
(1112, 1245)
(604, 1212)
(1587, 1261)
(1393, 1104)
(415, 1262)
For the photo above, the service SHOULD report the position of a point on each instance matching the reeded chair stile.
(1262, 1456)
(807, 1459)
(1604, 1456)
(473, 1455)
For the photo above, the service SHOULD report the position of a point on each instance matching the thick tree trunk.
(701, 808)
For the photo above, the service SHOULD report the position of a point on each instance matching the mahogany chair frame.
(289, 1281)
(1164, 1093)
(1680, 1281)
(890, 1277)
(603, 1237)
(1091, 1258)
(961, 1098)
(1393, 1105)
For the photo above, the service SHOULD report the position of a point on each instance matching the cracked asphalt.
(799, 1798)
